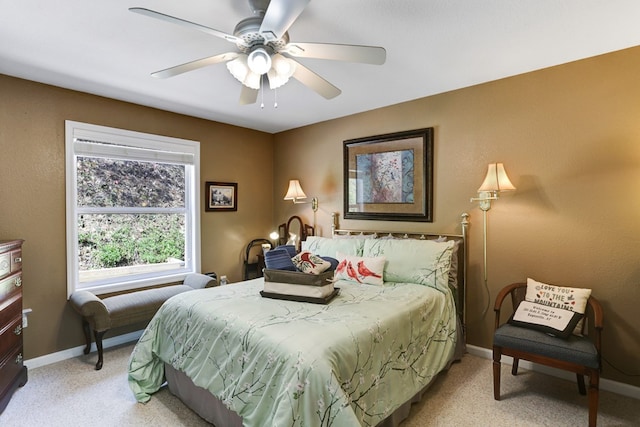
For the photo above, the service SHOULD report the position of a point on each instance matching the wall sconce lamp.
(295, 193)
(495, 182)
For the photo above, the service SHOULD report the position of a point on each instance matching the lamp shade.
(281, 71)
(240, 70)
(239, 67)
(496, 179)
(252, 80)
(295, 191)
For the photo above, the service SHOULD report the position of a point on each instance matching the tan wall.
(570, 139)
(568, 136)
(32, 191)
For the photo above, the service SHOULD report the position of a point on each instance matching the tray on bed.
(298, 298)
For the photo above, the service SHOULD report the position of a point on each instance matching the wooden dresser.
(13, 373)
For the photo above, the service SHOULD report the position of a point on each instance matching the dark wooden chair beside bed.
(239, 359)
(578, 353)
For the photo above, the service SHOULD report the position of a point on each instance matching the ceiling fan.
(264, 48)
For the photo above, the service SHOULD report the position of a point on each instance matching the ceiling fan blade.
(279, 16)
(339, 52)
(315, 82)
(194, 65)
(183, 23)
(248, 96)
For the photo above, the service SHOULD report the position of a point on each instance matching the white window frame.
(130, 145)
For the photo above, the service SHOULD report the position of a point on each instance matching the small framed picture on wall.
(221, 196)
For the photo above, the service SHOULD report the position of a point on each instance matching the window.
(132, 208)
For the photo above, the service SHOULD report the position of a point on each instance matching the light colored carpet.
(71, 393)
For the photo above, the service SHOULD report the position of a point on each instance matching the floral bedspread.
(283, 363)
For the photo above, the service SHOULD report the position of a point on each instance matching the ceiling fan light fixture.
(239, 67)
(276, 80)
(252, 80)
(259, 61)
(282, 65)
(280, 72)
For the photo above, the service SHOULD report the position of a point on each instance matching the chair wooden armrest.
(598, 324)
(598, 314)
(507, 290)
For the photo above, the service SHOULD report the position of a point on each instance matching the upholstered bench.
(126, 309)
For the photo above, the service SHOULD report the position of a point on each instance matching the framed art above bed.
(389, 177)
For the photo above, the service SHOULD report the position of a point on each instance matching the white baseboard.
(605, 384)
(70, 353)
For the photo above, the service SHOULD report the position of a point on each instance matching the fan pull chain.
(262, 92)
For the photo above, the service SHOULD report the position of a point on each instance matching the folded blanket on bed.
(299, 290)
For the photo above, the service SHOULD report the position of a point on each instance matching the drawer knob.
(18, 282)
(18, 330)
(17, 260)
(19, 358)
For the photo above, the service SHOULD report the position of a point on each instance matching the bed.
(238, 359)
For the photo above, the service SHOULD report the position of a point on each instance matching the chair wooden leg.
(594, 391)
(581, 388)
(514, 367)
(497, 354)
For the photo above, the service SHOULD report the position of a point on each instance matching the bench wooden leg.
(87, 335)
(99, 336)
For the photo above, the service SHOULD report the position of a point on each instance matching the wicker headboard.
(461, 250)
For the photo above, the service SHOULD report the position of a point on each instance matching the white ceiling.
(433, 46)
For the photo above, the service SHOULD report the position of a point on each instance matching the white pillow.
(426, 262)
(360, 269)
(324, 246)
(572, 299)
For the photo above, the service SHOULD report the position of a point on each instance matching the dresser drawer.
(16, 260)
(10, 286)
(5, 264)
(11, 335)
(10, 308)
(10, 369)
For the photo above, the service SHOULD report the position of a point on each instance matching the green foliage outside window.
(120, 240)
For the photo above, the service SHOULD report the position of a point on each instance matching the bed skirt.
(213, 410)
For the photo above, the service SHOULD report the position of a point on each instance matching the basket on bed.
(298, 286)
